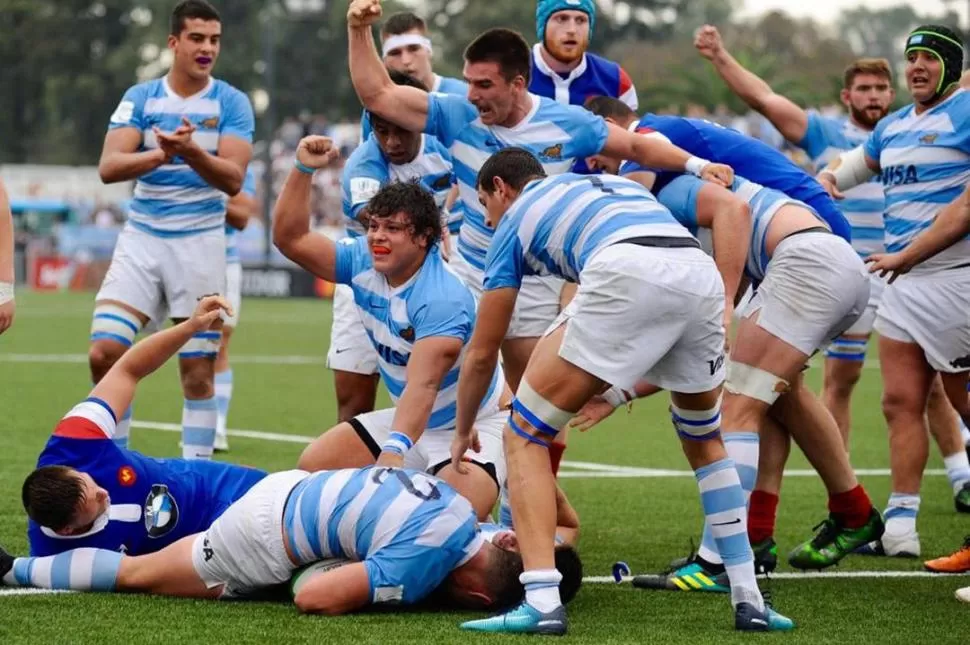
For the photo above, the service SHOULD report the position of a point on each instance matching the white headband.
(403, 40)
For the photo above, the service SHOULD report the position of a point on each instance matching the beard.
(565, 56)
(865, 118)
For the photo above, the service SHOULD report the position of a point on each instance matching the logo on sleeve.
(362, 189)
(124, 112)
(127, 476)
(161, 511)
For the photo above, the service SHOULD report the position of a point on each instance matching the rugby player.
(867, 94)
(186, 141)
(410, 535)
(649, 303)
(89, 492)
(773, 342)
(419, 317)
(241, 208)
(499, 112)
(923, 154)
(391, 154)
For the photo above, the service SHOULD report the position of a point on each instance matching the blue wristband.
(302, 168)
(398, 443)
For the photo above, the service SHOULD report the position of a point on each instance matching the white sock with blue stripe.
(957, 470)
(847, 349)
(542, 588)
(742, 448)
(79, 569)
(726, 518)
(223, 399)
(901, 514)
(199, 418)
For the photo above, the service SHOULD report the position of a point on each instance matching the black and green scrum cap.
(943, 43)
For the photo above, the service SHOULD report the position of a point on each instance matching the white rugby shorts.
(351, 349)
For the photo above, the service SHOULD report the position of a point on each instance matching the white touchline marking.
(247, 359)
(586, 469)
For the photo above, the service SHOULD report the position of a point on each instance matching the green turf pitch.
(283, 387)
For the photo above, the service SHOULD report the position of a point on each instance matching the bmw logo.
(161, 511)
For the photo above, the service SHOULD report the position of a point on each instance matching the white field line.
(807, 575)
(872, 364)
(585, 469)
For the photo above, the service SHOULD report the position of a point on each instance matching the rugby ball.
(304, 574)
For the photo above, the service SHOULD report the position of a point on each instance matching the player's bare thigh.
(168, 572)
(342, 446)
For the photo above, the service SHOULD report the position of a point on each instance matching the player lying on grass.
(89, 492)
(406, 533)
(418, 315)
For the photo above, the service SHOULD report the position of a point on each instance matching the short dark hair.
(504, 47)
(399, 78)
(571, 567)
(189, 9)
(51, 496)
(502, 579)
(402, 22)
(609, 107)
(873, 66)
(516, 167)
(413, 199)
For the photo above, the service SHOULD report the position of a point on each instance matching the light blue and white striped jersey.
(442, 85)
(232, 243)
(434, 302)
(925, 162)
(556, 134)
(558, 223)
(368, 170)
(864, 205)
(680, 197)
(408, 528)
(173, 200)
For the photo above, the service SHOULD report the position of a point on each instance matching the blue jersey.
(408, 528)
(154, 502)
(680, 197)
(925, 162)
(368, 170)
(434, 302)
(750, 158)
(863, 206)
(556, 134)
(558, 223)
(442, 84)
(232, 246)
(173, 199)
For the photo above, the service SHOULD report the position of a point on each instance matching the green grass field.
(629, 511)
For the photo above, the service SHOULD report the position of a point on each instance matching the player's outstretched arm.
(567, 519)
(847, 171)
(481, 358)
(949, 227)
(120, 160)
(656, 151)
(117, 388)
(335, 592)
(430, 361)
(406, 107)
(7, 278)
(791, 120)
(291, 217)
(729, 219)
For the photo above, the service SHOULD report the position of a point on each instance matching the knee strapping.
(204, 344)
(697, 425)
(115, 323)
(544, 418)
(754, 382)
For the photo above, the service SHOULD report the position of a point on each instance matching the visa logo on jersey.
(899, 175)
